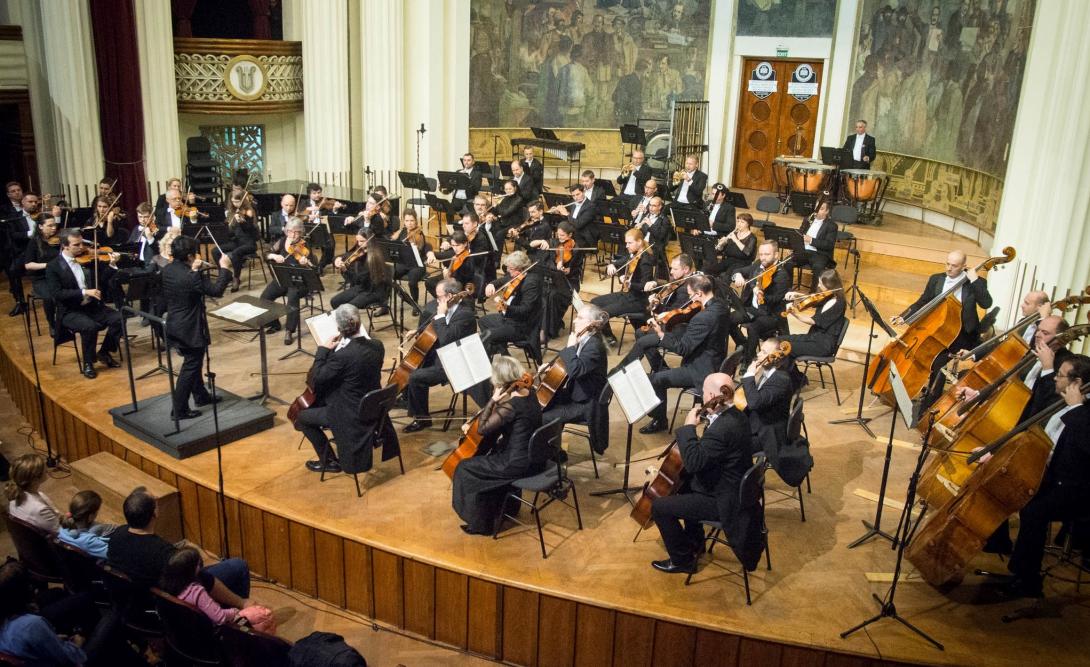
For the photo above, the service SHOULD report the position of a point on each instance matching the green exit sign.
(781, 51)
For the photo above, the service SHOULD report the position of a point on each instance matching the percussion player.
(861, 147)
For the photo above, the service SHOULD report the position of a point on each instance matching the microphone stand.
(419, 136)
(216, 429)
(50, 460)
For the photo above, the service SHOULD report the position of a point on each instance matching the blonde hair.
(26, 471)
(505, 370)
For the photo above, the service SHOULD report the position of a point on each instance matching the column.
(1045, 212)
(381, 102)
(41, 109)
(324, 33)
(722, 70)
(839, 73)
(155, 40)
(73, 97)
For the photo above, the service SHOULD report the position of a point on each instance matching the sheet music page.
(323, 327)
(416, 255)
(238, 312)
(465, 362)
(633, 390)
(641, 382)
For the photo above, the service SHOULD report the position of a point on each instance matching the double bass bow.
(470, 441)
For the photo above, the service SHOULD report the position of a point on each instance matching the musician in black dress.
(506, 423)
(288, 250)
(372, 220)
(42, 249)
(410, 265)
(242, 227)
(701, 347)
(584, 359)
(715, 464)
(184, 286)
(647, 342)
(105, 223)
(461, 269)
(737, 249)
(825, 323)
(345, 369)
(634, 274)
(367, 278)
(567, 275)
(521, 319)
(536, 228)
(761, 313)
(509, 212)
(452, 321)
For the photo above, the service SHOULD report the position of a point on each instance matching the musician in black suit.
(690, 190)
(345, 369)
(522, 318)
(647, 342)
(21, 226)
(819, 237)
(537, 229)
(701, 346)
(1041, 376)
(184, 287)
(634, 274)
(715, 464)
(761, 311)
(279, 220)
(968, 288)
(720, 211)
(461, 198)
(534, 168)
(1064, 492)
(631, 184)
(582, 215)
(287, 251)
(452, 321)
(825, 323)
(142, 236)
(861, 147)
(769, 388)
(591, 190)
(79, 303)
(641, 204)
(584, 358)
(526, 186)
(657, 229)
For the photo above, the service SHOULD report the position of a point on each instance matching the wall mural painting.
(786, 18)
(584, 63)
(941, 79)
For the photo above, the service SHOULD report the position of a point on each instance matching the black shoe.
(289, 338)
(330, 466)
(105, 359)
(415, 312)
(89, 371)
(18, 309)
(384, 310)
(185, 414)
(235, 285)
(611, 341)
(417, 425)
(655, 426)
(471, 531)
(210, 401)
(668, 566)
(273, 328)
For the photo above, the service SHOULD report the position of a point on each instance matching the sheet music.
(416, 255)
(632, 389)
(465, 362)
(238, 312)
(576, 300)
(323, 327)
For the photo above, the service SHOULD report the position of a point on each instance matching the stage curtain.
(261, 9)
(183, 15)
(113, 25)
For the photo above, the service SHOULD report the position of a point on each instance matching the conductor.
(184, 287)
(861, 147)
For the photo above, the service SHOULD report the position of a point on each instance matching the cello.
(419, 344)
(999, 487)
(931, 330)
(470, 441)
(552, 376)
(671, 471)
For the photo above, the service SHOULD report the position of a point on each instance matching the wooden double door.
(777, 115)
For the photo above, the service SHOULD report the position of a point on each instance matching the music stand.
(307, 282)
(875, 318)
(633, 390)
(633, 134)
(556, 199)
(786, 237)
(452, 180)
(619, 211)
(543, 133)
(737, 199)
(607, 187)
(701, 248)
(505, 169)
(688, 219)
(835, 156)
(272, 311)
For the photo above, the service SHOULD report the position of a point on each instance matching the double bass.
(470, 441)
(419, 344)
(931, 330)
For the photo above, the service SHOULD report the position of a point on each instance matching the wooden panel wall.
(494, 620)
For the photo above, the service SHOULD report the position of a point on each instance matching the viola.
(810, 301)
(628, 269)
(773, 357)
(553, 375)
(419, 344)
(565, 251)
(508, 290)
(672, 318)
(298, 250)
(931, 330)
(470, 441)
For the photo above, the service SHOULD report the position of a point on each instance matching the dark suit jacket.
(695, 195)
(769, 408)
(1043, 393)
(586, 372)
(525, 308)
(972, 295)
(643, 174)
(64, 288)
(657, 232)
(150, 250)
(528, 189)
(584, 224)
(642, 274)
(704, 341)
(463, 322)
(183, 291)
(869, 150)
(774, 295)
(825, 241)
(340, 381)
(722, 222)
(1070, 464)
(536, 171)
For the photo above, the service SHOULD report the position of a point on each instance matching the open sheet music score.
(323, 328)
(465, 362)
(632, 389)
(238, 312)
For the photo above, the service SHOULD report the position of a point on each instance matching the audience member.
(25, 500)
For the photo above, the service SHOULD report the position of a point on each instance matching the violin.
(629, 267)
(565, 251)
(553, 375)
(470, 442)
(298, 250)
(459, 259)
(191, 212)
(774, 357)
(101, 255)
(810, 301)
(508, 291)
(671, 318)
(358, 252)
(662, 293)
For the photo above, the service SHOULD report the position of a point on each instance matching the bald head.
(1047, 329)
(714, 384)
(1033, 301)
(955, 263)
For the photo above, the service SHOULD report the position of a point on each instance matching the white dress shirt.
(630, 187)
(175, 221)
(1028, 335)
(857, 149)
(948, 284)
(77, 269)
(683, 193)
(815, 228)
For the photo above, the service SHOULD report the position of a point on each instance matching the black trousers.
(274, 291)
(420, 382)
(15, 268)
(1054, 502)
(567, 412)
(310, 422)
(757, 326)
(412, 275)
(237, 253)
(685, 377)
(189, 379)
(682, 542)
(357, 296)
(936, 383)
(809, 345)
(618, 303)
(88, 321)
(646, 345)
(41, 290)
(500, 331)
(817, 261)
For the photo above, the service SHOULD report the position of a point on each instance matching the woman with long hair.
(25, 498)
(367, 278)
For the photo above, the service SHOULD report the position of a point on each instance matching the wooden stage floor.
(595, 600)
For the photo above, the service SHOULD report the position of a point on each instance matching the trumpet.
(627, 170)
(677, 177)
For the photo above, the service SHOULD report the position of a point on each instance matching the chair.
(35, 551)
(634, 320)
(64, 335)
(796, 428)
(604, 399)
(530, 347)
(374, 408)
(80, 571)
(246, 647)
(553, 482)
(133, 603)
(819, 362)
(191, 636)
(768, 204)
(251, 260)
(846, 215)
(750, 494)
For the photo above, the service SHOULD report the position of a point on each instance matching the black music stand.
(306, 280)
(688, 219)
(835, 156)
(875, 318)
(141, 287)
(556, 199)
(505, 169)
(495, 184)
(399, 252)
(788, 238)
(701, 248)
(450, 180)
(737, 199)
(633, 134)
(619, 211)
(273, 310)
(607, 187)
(543, 133)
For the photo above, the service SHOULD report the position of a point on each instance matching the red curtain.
(261, 9)
(113, 25)
(183, 13)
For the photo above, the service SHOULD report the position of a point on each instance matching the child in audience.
(180, 580)
(25, 500)
(78, 526)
